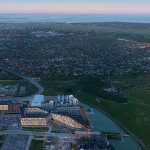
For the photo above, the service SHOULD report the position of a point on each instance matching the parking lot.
(9, 120)
(15, 142)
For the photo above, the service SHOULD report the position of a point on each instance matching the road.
(30, 80)
(30, 133)
(36, 133)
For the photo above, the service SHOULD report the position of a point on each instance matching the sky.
(76, 6)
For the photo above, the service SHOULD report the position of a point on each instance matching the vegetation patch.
(43, 129)
(73, 146)
(92, 85)
(37, 145)
(2, 138)
(4, 75)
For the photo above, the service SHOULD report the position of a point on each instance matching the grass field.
(36, 145)
(134, 114)
(35, 129)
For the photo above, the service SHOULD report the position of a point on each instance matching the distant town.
(53, 49)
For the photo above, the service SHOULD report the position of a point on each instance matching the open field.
(134, 114)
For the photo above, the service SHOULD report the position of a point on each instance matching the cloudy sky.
(76, 6)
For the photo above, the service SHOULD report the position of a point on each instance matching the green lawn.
(136, 87)
(139, 94)
(35, 129)
(134, 116)
(36, 145)
(56, 86)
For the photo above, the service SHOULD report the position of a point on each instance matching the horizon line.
(74, 13)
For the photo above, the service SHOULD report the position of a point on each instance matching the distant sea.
(26, 18)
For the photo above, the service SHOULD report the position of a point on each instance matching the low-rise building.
(64, 110)
(34, 117)
(9, 107)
